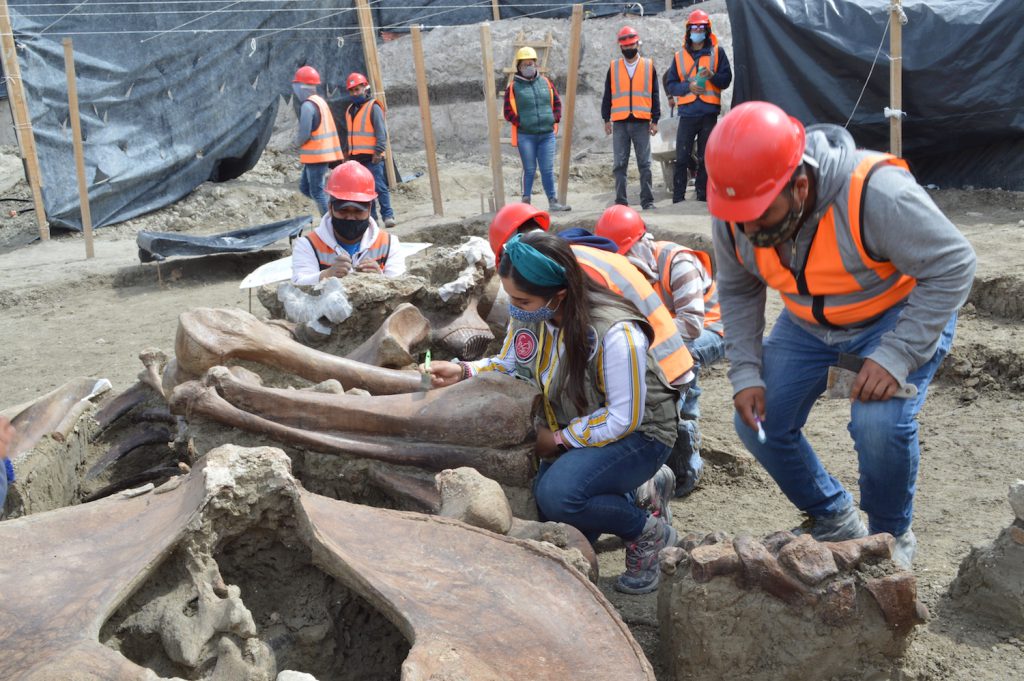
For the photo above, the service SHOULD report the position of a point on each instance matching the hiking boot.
(688, 482)
(905, 549)
(655, 494)
(839, 527)
(556, 207)
(389, 222)
(642, 569)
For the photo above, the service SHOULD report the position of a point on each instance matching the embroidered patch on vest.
(524, 342)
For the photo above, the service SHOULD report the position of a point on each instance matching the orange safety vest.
(378, 250)
(632, 96)
(618, 274)
(664, 253)
(515, 109)
(841, 284)
(323, 145)
(686, 68)
(362, 138)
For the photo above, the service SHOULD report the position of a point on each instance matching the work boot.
(642, 569)
(655, 494)
(526, 199)
(905, 549)
(839, 527)
(389, 222)
(556, 207)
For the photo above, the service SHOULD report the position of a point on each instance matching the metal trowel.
(842, 376)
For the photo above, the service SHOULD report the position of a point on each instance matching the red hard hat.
(355, 80)
(621, 224)
(697, 17)
(352, 181)
(307, 75)
(751, 155)
(509, 219)
(628, 36)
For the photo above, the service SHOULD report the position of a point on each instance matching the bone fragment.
(896, 595)
(151, 475)
(55, 412)
(144, 434)
(808, 559)
(138, 491)
(761, 568)
(154, 360)
(208, 337)
(470, 497)
(713, 560)
(408, 490)
(560, 535)
(850, 553)
(400, 335)
(465, 336)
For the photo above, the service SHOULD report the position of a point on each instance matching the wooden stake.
(492, 115)
(668, 5)
(376, 81)
(569, 104)
(495, 11)
(22, 119)
(76, 139)
(896, 79)
(428, 127)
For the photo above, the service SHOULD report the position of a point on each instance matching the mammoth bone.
(208, 337)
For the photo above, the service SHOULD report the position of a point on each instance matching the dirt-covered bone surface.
(789, 605)
(244, 574)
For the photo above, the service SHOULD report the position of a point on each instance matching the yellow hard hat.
(525, 53)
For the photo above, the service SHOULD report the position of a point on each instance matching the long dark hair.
(583, 295)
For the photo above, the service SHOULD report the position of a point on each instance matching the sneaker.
(649, 206)
(905, 549)
(642, 570)
(679, 200)
(389, 223)
(839, 527)
(688, 483)
(556, 207)
(655, 494)
(526, 199)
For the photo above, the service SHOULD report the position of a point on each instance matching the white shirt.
(306, 266)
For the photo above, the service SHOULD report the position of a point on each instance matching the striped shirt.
(688, 281)
(621, 379)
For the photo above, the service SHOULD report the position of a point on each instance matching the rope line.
(872, 70)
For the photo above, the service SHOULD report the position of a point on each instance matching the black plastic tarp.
(162, 245)
(963, 77)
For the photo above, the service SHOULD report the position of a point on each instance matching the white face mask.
(528, 71)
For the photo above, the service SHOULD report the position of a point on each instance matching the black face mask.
(629, 53)
(349, 230)
(779, 233)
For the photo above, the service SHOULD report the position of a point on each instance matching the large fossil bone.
(473, 605)
(394, 343)
(208, 337)
(55, 413)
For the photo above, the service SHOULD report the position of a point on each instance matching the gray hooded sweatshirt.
(901, 224)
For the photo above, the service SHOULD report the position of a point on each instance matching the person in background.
(699, 73)
(7, 474)
(367, 141)
(317, 136)
(347, 238)
(533, 107)
(609, 414)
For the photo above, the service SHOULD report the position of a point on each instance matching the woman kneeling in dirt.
(611, 416)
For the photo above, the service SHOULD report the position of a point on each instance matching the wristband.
(557, 436)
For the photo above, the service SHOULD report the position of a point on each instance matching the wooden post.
(76, 139)
(896, 79)
(428, 127)
(495, 11)
(22, 119)
(492, 115)
(376, 81)
(569, 108)
(668, 5)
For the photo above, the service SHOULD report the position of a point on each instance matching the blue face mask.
(543, 314)
(697, 37)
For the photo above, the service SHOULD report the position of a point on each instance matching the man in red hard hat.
(699, 72)
(317, 136)
(682, 278)
(366, 140)
(347, 238)
(631, 109)
(870, 272)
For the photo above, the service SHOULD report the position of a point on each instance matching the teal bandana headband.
(536, 267)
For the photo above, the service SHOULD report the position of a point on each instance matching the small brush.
(425, 376)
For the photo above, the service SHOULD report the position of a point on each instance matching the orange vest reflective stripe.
(665, 252)
(687, 68)
(841, 284)
(362, 138)
(632, 96)
(323, 145)
(617, 274)
(515, 109)
(378, 250)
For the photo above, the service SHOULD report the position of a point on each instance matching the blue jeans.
(537, 150)
(311, 184)
(708, 348)
(795, 369)
(3, 489)
(587, 487)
